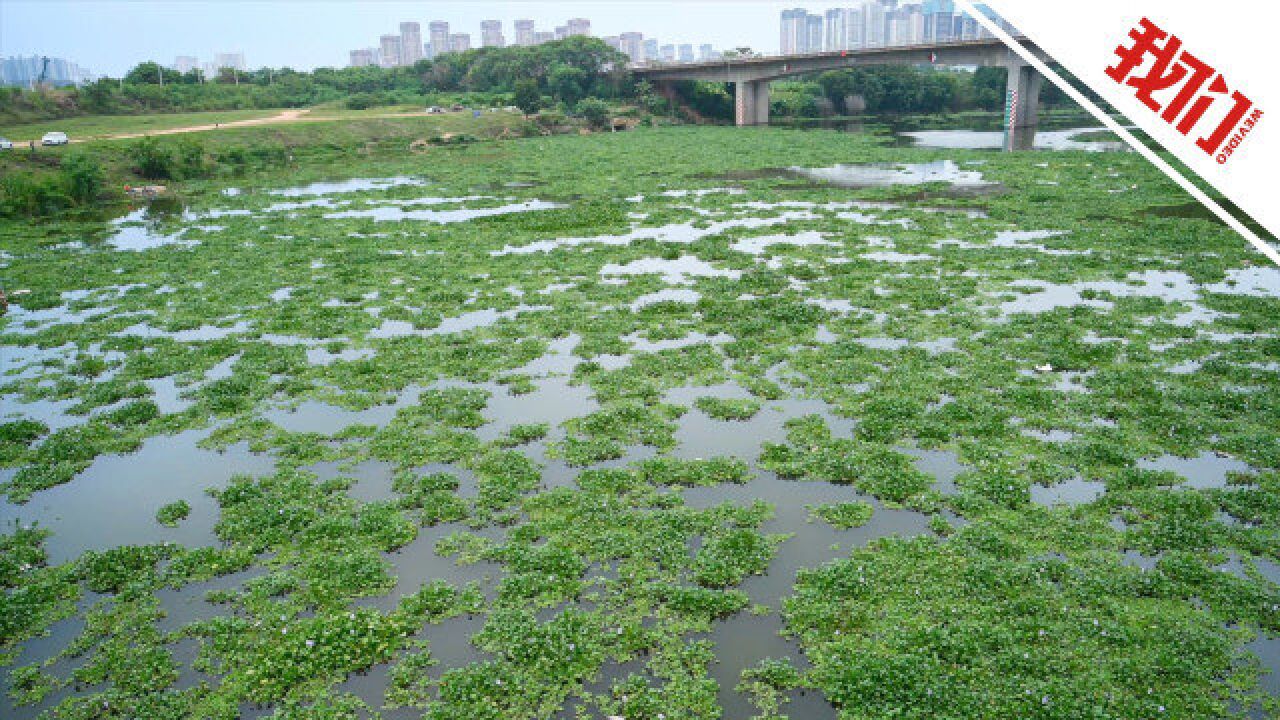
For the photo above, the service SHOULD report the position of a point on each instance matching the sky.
(110, 36)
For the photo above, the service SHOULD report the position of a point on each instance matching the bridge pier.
(1022, 106)
(751, 102)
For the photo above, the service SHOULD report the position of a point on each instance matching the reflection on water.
(1205, 470)
(388, 213)
(347, 186)
(114, 501)
(993, 140)
(879, 174)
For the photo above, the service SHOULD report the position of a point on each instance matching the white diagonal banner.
(1198, 80)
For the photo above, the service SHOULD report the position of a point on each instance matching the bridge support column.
(751, 102)
(1022, 106)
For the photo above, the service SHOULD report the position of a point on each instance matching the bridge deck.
(871, 54)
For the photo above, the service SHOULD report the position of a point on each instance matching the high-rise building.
(233, 60)
(410, 43)
(706, 52)
(524, 32)
(668, 53)
(685, 53)
(813, 33)
(459, 42)
(562, 32)
(613, 41)
(389, 46)
(491, 34)
(800, 32)
(363, 57)
(438, 36)
(185, 63)
(793, 31)
(651, 51)
(632, 43)
(915, 24)
(542, 36)
(579, 26)
(836, 30)
(28, 71)
(873, 25)
(855, 29)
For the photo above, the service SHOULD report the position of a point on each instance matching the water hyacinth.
(827, 478)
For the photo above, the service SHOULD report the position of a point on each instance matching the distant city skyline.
(111, 36)
(408, 47)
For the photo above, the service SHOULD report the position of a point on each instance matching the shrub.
(596, 111)
(362, 101)
(153, 160)
(191, 158)
(29, 195)
(82, 176)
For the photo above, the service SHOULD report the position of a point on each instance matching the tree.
(837, 85)
(566, 83)
(527, 97)
(150, 73)
(595, 110)
(99, 97)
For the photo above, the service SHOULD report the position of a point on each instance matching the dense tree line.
(568, 71)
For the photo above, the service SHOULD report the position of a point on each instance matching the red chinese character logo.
(1170, 67)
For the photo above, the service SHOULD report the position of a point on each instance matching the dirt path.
(284, 117)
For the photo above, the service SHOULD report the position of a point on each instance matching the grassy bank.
(330, 136)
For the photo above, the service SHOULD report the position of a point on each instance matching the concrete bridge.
(751, 76)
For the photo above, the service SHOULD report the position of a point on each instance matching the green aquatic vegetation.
(200, 564)
(523, 434)
(629, 423)
(402, 339)
(434, 495)
(843, 516)
(21, 551)
(173, 513)
(114, 570)
(728, 409)
(929, 621)
(874, 469)
(768, 683)
(675, 471)
(408, 684)
(17, 436)
(35, 595)
(729, 558)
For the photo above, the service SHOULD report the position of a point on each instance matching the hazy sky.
(109, 36)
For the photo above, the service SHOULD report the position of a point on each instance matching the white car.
(54, 138)
(6, 144)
